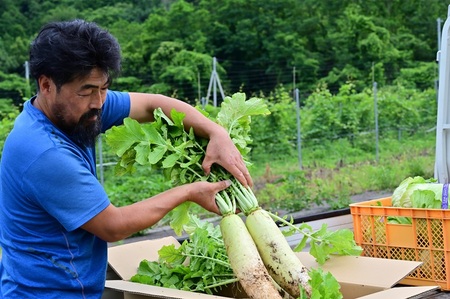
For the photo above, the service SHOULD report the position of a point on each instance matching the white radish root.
(278, 257)
(245, 260)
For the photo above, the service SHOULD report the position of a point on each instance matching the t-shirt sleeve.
(69, 192)
(115, 109)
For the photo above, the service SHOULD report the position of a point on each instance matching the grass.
(336, 170)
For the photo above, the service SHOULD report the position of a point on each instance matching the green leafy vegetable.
(164, 144)
(235, 116)
(324, 285)
(323, 242)
(416, 192)
(199, 264)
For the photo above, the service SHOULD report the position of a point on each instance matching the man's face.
(76, 107)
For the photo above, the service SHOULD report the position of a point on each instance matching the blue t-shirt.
(49, 189)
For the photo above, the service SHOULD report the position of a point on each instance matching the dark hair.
(68, 50)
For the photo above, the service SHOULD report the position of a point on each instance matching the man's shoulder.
(117, 95)
(30, 138)
(116, 108)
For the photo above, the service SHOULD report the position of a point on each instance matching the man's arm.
(116, 223)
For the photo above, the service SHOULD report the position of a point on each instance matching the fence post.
(299, 138)
(100, 158)
(376, 119)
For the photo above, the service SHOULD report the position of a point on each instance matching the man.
(55, 217)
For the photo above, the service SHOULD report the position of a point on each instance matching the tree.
(180, 69)
(13, 87)
(258, 43)
(358, 42)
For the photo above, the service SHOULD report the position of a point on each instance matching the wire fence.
(370, 140)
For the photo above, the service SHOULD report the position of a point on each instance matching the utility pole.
(214, 82)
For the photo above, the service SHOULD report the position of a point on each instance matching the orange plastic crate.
(427, 239)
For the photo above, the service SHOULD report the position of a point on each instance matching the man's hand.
(204, 194)
(221, 150)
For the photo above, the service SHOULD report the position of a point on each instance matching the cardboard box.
(360, 277)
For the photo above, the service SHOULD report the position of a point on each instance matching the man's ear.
(46, 85)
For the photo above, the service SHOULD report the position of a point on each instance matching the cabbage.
(418, 192)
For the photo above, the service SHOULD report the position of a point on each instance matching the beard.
(86, 131)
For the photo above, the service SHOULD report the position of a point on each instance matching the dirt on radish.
(279, 259)
(245, 260)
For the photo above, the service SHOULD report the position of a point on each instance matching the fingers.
(237, 169)
(223, 152)
(225, 184)
(243, 176)
(207, 163)
(240, 172)
(204, 194)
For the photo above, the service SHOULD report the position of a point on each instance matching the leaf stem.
(244, 201)
(217, 261)
(222, 283)
(292, 226)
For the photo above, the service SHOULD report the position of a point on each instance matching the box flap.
(402, 293)
(363, 271)
(155, 292)
(352, 291)
(125, 259)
